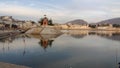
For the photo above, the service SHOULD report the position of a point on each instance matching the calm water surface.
(68, 50)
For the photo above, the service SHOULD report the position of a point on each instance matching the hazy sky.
(61, 10)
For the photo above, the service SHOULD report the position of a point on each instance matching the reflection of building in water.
(45, 43)
(114, 35)
(104, 33)
(46, 40)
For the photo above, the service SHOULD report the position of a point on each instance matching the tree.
(40, 21)
(33, 22)
(50, 22)
(92, 26)
(116, 25)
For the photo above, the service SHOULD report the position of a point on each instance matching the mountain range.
(77, 21)
(109, 21)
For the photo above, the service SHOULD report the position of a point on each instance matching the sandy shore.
(8, 65)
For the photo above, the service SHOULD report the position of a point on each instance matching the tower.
(45, 21)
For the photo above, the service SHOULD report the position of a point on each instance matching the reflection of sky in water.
(86, 52)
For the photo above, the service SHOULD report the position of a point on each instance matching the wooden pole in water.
(24, 52)
(116, 58)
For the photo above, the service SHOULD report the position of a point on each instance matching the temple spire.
(45, 15)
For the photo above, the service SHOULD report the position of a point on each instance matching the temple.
(45, 21)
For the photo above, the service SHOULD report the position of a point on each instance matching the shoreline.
(9, 65)
(95, 29)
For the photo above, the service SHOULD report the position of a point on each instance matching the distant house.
(19, 23)
(104, 26)
(73, 26)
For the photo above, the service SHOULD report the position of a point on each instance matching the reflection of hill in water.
(108, 34)
(77, 36)
(113, 35)
(77, 33)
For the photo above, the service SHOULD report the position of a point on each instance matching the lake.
(72, 49)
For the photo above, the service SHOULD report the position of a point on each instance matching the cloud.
(90, 10)
(29, 11)
(17, 10)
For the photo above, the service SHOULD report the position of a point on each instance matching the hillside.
(111, 21)
(77, 21)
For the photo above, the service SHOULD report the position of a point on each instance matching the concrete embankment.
(8, 65)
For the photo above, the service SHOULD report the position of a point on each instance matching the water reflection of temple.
(46, 40)
(45, 43)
